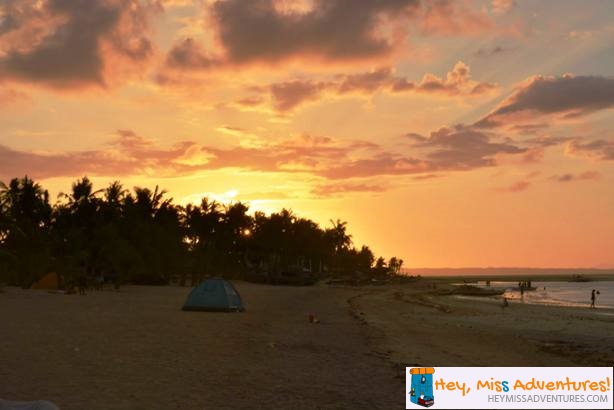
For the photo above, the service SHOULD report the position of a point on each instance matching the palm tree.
(148, 202)
(26, 216)
(114, 193)
(203, 227)
(338, 235)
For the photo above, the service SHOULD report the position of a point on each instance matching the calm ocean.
(561, 293)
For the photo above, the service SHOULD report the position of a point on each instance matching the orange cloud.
(502, 6)
(452, 18)
(10, 96)
(130, 154)
(600, 149)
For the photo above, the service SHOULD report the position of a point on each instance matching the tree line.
(141, 236)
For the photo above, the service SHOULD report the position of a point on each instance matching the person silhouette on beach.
(593, 298)
(504, 304)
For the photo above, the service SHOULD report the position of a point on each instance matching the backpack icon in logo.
(421, 392)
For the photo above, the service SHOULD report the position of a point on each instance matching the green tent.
(214, 295)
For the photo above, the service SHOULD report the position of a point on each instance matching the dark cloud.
(588, 175)
(325, 31)
(492, 51)
(448, 149)
(483, 88)
(518, 186)
(529, 128)
(288, 95)
(189, 55)
(330, 30)
(380, 164)
(414, 136)
(600, 149)
(566, 97)
(366, 82)
(463, 147)
(547, 141)
(75, 45)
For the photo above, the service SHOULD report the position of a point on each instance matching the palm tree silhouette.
(143, 237)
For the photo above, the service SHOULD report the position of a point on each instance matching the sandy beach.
(136, 349)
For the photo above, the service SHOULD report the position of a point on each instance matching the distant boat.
(469, 281)
(579, 278)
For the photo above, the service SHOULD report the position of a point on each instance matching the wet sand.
(137, 350)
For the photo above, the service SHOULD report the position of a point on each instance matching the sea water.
(560, 293)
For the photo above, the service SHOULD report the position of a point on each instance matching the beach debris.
(312, 318)
(27, 405)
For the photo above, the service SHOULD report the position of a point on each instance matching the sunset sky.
(448, 133)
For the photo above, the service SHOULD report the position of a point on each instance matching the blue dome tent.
(214, 295)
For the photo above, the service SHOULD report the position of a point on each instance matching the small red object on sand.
(312, 318)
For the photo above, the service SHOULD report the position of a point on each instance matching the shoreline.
(607, 310)
(420, 327)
